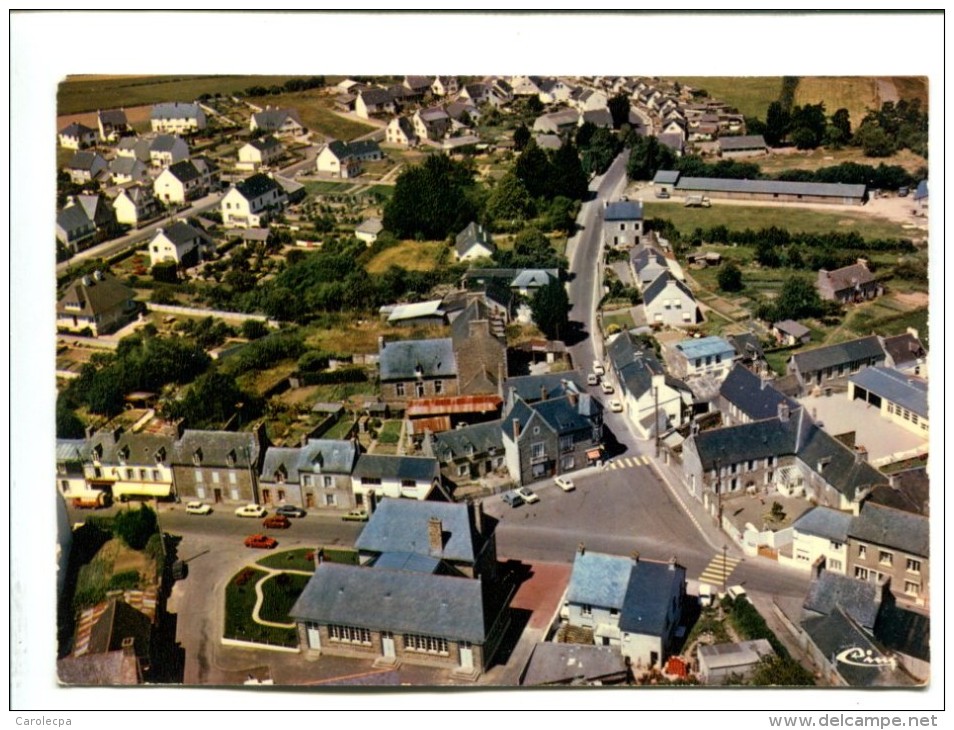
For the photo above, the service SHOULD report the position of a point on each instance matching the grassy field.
(279, 594)
(290, 560)
(239, 602)
(412, 255)
(751, 95)
(390, 432)
(89, 93)
(325, 187)
(857, 94)
(316, 114)
(623, 319)
(740, 217)
(815, 159)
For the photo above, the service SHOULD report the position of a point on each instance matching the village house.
(849, 284)
(278, 122)
(743, 146)
(74, 229)
(184, 181)
(474, 242)
(819, 536)
(85, 166)
(220, 467)
(343, 159)
(252, 202)
(401, 131)
(731, 662)
(906, 352)
(179, 242)
(112, 124)
(433, 123)
(98, 302)
(136, 205)
(791, 333)
(128, 465)
(467, 453)
(417, 369)
(745, 396)
(369, 230)
(259, 153)
(622, 223)
(314, 476)
(558, 122)
(480, 348)
(370, 101)
(77, 136)
(177, 118)
(899, 398)
(829, 366)
(409, 477)
(167, 149)
(128, 169)
(444, 86)
(668, 301)
(647, 264)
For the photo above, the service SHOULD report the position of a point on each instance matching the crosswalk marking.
(718, 571)
(630, 462)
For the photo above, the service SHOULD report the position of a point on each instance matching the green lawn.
(751, 95)
(239, 601)
(315, 111)
(755, 217)
(340, 429)
(623, 319)
(290, 560)
(411, 255)
(86, 94)
(324, 187)
(390, 432)
(279, 594)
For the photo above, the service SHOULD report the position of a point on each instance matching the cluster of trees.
(780, 670)
(647, 157)
(886, 177)
(214, 398)
(433, 199)
(296, 84)
(531, 249)
(550, 307)
(264, 352)
(895, 126)
(798, 298)
(598, 147)
(550, 175)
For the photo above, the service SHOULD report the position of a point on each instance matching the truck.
(697, 201)
(89, 502)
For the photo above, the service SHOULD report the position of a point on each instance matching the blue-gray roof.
(180, 232)
(529, 278)
(894, 528)
(401, 526)
(847, 474)
(599, 579)
(704, 347)
(73, 218)
(752, 395)
(126, 165)
(649, 595)
(408, 359)
(743, 142)
(256, 186)
(666, 177)
(643, 257)
(894, 386)
(842, 353)
(394, 600)
(858, 598)
(825, 522)
(634, 363)
(790, 327)
(324, 456)
(624, 210)
(176, 110)
(565, 417)
(408, 561)
(755, 440)
(481, 438)
(659, 286)
(217, 448)
(272, 119)
(165, 143)
(72, 450)
(84, 160)
(418, 468)
(472, 235)
(531, 388)
(769, 187)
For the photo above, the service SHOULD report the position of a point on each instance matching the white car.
(592, 379)
(564, 483)
(616, 406)
(598, 368)
(198, 508)
(526, 495)
(607, 388)
(250, 510)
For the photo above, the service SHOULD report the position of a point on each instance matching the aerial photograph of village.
(492, 381)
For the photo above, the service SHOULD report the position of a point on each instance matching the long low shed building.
(777, 190)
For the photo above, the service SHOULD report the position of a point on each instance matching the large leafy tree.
(600, 151)
(776, 123)
(521, 136)
(569, 179)
(619, 109)
(509, 200)
(550, 307)
(798, 298)
(648, 157)
(534, 170)
(730, 278)
(430, 200)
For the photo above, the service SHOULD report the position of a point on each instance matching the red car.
(260, 541)
(279, 522)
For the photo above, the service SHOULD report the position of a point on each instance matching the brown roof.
(99, 670)
(95, 295)
(903, 348)
(850, 276)
(453, 404)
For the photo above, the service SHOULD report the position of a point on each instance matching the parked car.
(616, 406)
(290, 510)
(512, 498)
(263, 542)
(662, 194)
(279, 522)
(903, 192)
(607, 388)
(198, 508)
(356, 515)
(592, 379)
(251, 510)
(564, 483)
(598, 368)
(527, 495)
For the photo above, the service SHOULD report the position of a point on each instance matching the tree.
(252, 329)
(598, 154)
(839, 129)
(776, 124)
(68, 424)
(619, 109)
(135, 526)
(166, 272)
(776, 671)
(798, 298)
(730, 278)
(430, 199)
(521, 136)
(584, 134)
(535, 171)
(509, 200)
(211, 400)
(647, 158)
(550, 307)
(874, 140)
(569, 179)
(810, 123)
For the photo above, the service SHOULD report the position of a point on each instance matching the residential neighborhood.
(493, 381)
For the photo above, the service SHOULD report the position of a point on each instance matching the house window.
(538, 451)
(200, 492)
(198, 476)
(911, 588)
(586, 609)
(863, 552)
(566, 443)
(408, 484)
(438, 387)
(425, 644)
(419, 389)
(885, 558)
(913, 566)
(143, 475)
(834, 564)
(890, 407)
(462, 470)
(614, 612)
(331, 500)
(835, 545)
(155, 475)
(329, 482)
(567, 463)
(215, 477)
(349, 634)
(372, 481)
(129, 473)
(861, 573)
(399, 389)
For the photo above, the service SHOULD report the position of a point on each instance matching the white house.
(711, 356)
(280, 122)
(668, 301)
(259, 153)
(249, 204)
(343, 159)
(135, 205)
(400, 131)
(180, 242)
(369, 230)
(85, 166)
(411, 477)
(177, 118)
(184, 181)
(474, 242)
(622, 223)
(373, 101)
(444, 86)
(819, 534)
(77, 136)
(431, 123)
(167, 149)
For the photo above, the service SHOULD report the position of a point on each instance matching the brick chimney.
(435, 536)
(479, 517)
(543, 392)
(516, 429)
(573, 397)
(635, 556)
(581, 549)
(783, 412)
(128, 646)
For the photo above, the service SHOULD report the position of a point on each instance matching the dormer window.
(97, 452)
(280, 474)
(123, 454)
(230, 458)
(197, 457)
(160, 454)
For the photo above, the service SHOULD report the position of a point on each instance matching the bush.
(166, 272)
(127, 579)
(254, 329)
(136, 526)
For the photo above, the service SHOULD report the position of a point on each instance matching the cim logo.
(858, 657)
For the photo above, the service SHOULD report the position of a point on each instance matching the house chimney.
(763, 382)
(435, 536)
(635, 556)
(372, 501)
(913, 332)
(861, 455)
(573, 397)
(479, 517)
(783, 412)
(672, 563)
(516, 429)
(128, 646)
(863, 262)
(581, 549)
(381, 342)
(543, 392)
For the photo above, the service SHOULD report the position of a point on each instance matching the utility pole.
(656, 416)
(724, 550)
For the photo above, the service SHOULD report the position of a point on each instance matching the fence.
(192, 312)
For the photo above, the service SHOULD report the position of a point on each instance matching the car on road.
(598, 368)
(356, 515)
(903, 192)
(527, 495)
(616, 406)
(512, 498)
(251, 510)
(592, 379)
(290, 510)
(564, 483)
(264, 542)
(278, 522)
(198, 508)
(607, 388)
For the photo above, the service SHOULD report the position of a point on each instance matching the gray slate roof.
(624, 210)
(892, 528)
(273, 119)
(825, 522)
(76, 130)
(530, 278)
(564, 417)
(325, 456)
(71, 450)
(563, 663)
(256, 186)
(666, 177)
(395, 600)
(126, 166)
(659, 285)
(73, 218)
(790, 327)
(903, 349)
(400, 526)
(165, 143)
(839, 354)
(480, 437)
(744, 142)
(216, 448)
(113, 117)
(849, 475)
(755, 440)
(892, 385)
(142, 447)
(418, 468)
(768, 187)
(752, 395)
(401, 360)
(176, 110)
(96, 297)
(649, 594)
(634, 364)
(265, 143)
(858, 598)
(181, 233)
(185, 170)
(530, 387)
(84, 160)
(599, 579)
(472, 235)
